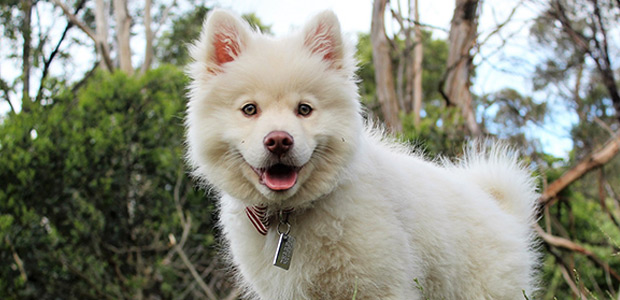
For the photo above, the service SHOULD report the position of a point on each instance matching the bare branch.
(48, 61)
(567, 276)
(598, 53)
(210, 294)
(500, 26)
(164, 16)
(425, 25)
(75, 21)
(4, 87)
(572, 246)
(593, 160)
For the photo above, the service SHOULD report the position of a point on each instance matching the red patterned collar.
(259, 218)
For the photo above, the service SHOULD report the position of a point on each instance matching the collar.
(259, 218)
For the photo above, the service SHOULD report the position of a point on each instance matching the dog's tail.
(497, 171)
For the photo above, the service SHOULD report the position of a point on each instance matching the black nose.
(278, 142)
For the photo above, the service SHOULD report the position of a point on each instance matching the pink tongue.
(280, 177)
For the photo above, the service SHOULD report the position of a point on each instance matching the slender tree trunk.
(456, 83)
(417, 67)
(400, 80)
(410, 74)
(102, 9)
(123, 34)
(26, 6)
(148, 51)
(383, 68)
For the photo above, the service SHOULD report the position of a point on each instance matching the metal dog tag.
(284, 253)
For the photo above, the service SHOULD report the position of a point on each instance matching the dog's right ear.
(224, 37)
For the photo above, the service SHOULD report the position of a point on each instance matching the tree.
(383, 67)
(409, 67)
(417, 66)
(580, 225)
(591, 39)
(95, 202)
(123, 33)
(456, 85)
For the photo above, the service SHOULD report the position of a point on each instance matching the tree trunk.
(417, 67)
(148, 51)
(456, 83)
(102, 9)
(26, 6)
(123, 34)
(383, 68)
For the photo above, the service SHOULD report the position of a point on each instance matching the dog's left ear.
(322, 37)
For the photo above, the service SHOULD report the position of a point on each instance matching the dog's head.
(272, 121)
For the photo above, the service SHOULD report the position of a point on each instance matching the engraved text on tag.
(284, 252)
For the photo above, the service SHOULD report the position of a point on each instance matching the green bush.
(87, 188)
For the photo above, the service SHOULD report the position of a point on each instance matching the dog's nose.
(278, 142)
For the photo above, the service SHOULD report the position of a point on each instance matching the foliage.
(86, 192)
(171, 47)
(441, 131)
(588, 211)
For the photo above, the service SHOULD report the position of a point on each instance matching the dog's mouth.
(279, 177)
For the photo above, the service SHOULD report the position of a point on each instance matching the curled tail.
(497, 171)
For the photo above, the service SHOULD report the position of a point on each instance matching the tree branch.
(47, 62)
(164, 16)
(499, 27)
(18, 260)
(567, 276)
(73, 19)
(572, 246)
(598, 53)
(6, 90)
(210, 294)
(593, 160)
(63, 260)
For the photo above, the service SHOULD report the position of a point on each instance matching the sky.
(512, 66)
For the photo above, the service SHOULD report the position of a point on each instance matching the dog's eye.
(249, 109)
(304, 110)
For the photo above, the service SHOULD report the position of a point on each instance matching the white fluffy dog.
(315, 206)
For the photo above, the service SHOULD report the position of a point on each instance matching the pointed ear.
(322, 37)
(224, 37)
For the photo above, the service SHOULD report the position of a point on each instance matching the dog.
(316, 204)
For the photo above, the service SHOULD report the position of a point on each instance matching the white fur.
(370, 218)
